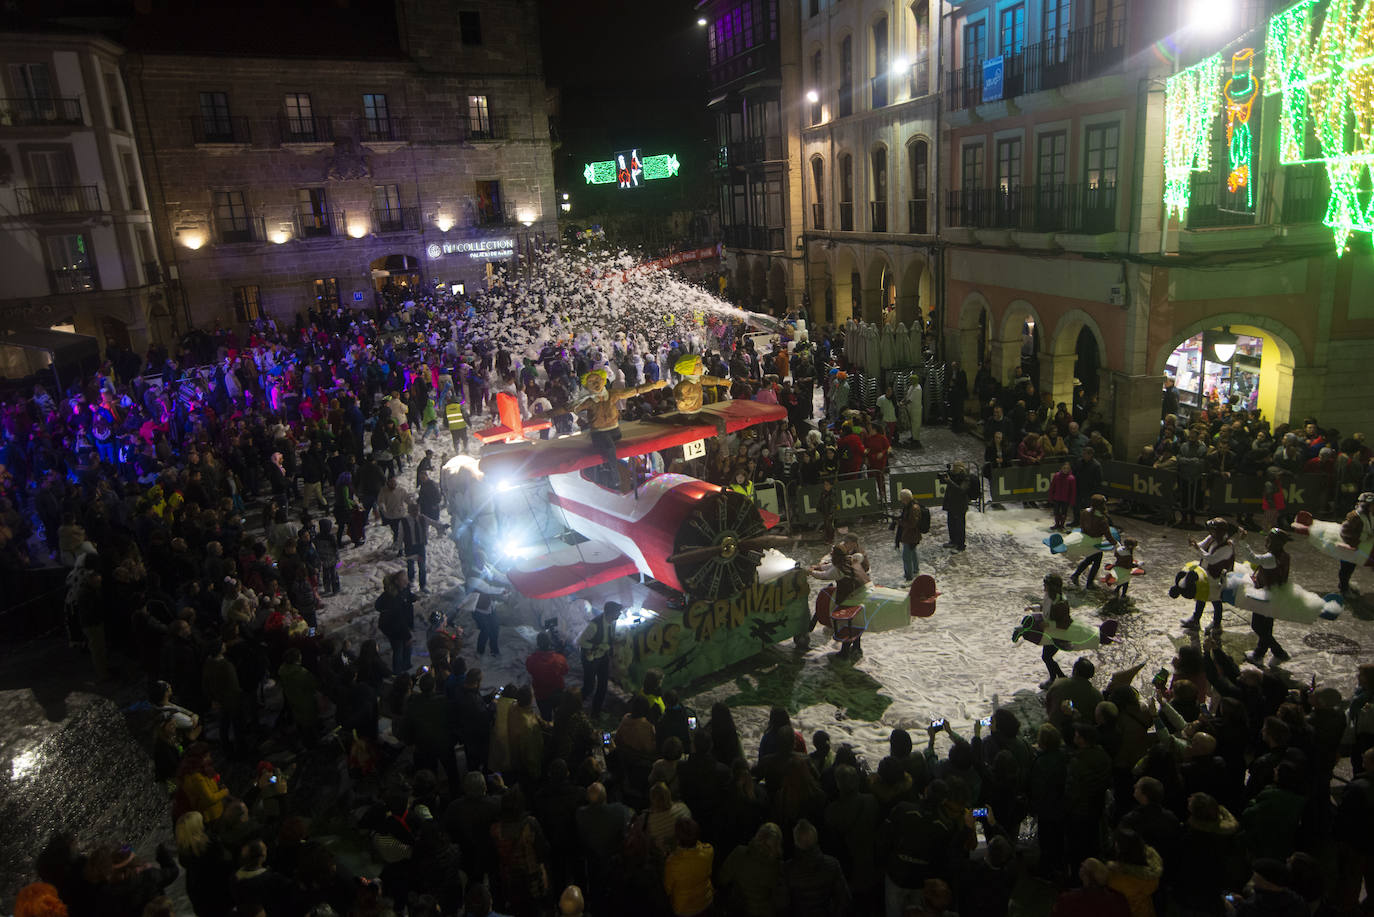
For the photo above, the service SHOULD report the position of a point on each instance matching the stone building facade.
(286, 183)
(76, 235)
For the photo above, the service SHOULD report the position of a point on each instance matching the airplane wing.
(528, 460)
(569, 569)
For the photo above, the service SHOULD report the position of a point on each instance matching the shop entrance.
(396, 274)
(1234, 361)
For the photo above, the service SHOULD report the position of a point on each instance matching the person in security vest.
(743, 485)
(597, 644)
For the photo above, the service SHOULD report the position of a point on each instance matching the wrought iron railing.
(228, 129)
(306, 129)
(1048, 64)
(1082, 208)
(23, 112)
(51, 199)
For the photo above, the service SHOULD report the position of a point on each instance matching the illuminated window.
(376, 117)
(326, 292)
(71, 265)
(1100, 151)
(479, 118)
(1009, 164)
(489, 210)
(300, 116)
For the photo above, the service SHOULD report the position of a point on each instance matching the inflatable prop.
(1034, 628)
(1288, 602)
(1111, 577)
(1076, 544)
(875, 608)
(1326, 537)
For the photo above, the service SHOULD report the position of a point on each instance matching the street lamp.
(1224, 345)
(900, 66)
(701, 21)
(813, 96)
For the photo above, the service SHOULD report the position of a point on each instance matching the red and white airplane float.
(690, 535)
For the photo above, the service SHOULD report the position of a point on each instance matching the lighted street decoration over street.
(630, 170)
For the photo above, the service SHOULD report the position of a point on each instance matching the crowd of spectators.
(202, 516)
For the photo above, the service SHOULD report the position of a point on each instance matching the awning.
(63, 346)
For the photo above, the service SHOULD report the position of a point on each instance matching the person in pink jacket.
(1063, 494)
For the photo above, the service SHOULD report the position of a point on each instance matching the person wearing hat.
(1272, 896)
(1358, 529)
(1218, 557)
(1271, 569)
(602, 408)
(597, 644)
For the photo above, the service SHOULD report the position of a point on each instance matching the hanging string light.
(1240, 92)
(1192, 101)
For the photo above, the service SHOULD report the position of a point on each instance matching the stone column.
(1135, 412)
(873, 304)
(1006, 356)
(1056, 377)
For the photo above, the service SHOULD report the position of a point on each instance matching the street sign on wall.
(992, 79)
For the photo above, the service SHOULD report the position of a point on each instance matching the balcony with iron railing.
(920, 77)
(1306, 193)
(758, 238)
(485, 128)
(396, 219)
(1049, 64)
(50, 200)
(877, 216)
(306, 129)
(1088, 209)
(315, 224)
(23, 112)
(846, 216)
(237, 230)
(752, 150)
(383, 130)
(756, 60)
(818, 216)
(1211, 205)
(918, 215)
(220, 130)
(878, 90)
(74, 280)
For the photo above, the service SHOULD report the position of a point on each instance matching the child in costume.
(1218, 557)
(1095, 523)
(1271, 569)
(1055, 609)
(1123, 565)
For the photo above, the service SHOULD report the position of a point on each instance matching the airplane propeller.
(718, 548)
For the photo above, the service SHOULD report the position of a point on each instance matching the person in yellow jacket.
(687, 872)
(198, 783)
(1135, 871)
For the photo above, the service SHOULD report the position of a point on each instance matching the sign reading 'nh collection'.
(476, 249)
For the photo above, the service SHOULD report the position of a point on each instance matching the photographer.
(958, 490)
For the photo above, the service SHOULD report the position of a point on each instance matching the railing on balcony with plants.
(1048, 64)
(24, 112)
(41, 200)
(1080, 208)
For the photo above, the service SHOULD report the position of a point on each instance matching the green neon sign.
(630, 170)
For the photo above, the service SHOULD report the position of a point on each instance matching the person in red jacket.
(877, 446)
(547, 671)
(851, 451)
(1063, 494)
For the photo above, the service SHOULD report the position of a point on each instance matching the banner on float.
(853, 497)
(1021, 482)
(1242, 494)
(925, 486)
(1139, 484)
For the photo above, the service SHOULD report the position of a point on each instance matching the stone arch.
(777, 287)
(846, 290)
(1063, 360)
(1007, 350)
(1276, 375)
(914, 294)
(880, 287)
(974, 332)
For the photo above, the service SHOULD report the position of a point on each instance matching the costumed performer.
(1271, 571)
(1051, 626)
(847, 572)
(1357, 535)
(603, 409)
(1217, 558)
(1097, 525)
(688, 393)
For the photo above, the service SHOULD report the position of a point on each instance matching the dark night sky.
(630, 75)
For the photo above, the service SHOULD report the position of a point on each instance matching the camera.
(691, 722)
(985, 721)
(310, 632)
(272, 779)
(980, 812)
(605, 740)
(937, 724)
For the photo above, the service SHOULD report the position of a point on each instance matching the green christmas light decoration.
(1241, 91)
(630, 170)
(1192, 101)
(1322, 67)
